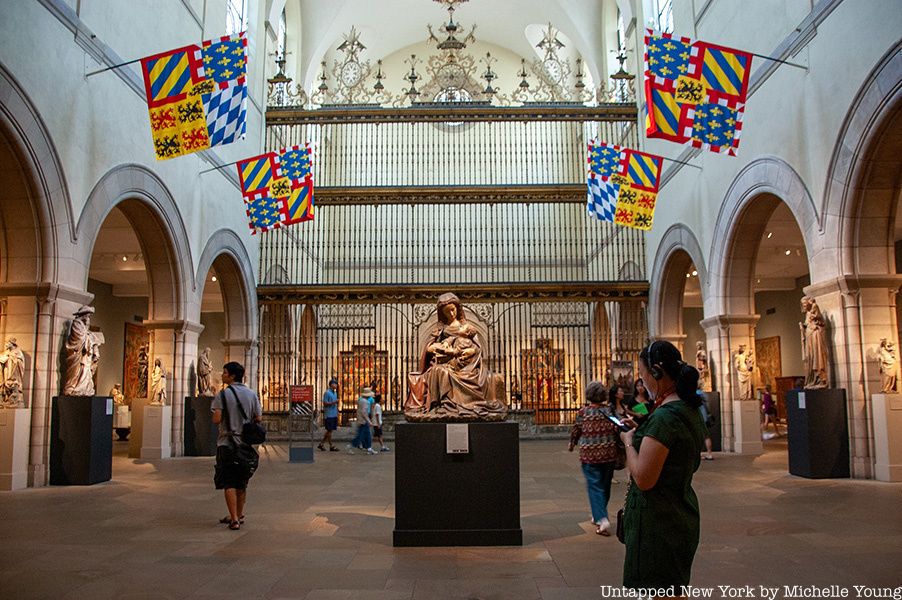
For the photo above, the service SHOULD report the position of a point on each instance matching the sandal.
(227, 520)
(234, 525)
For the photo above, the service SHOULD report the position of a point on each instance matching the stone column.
(740, 422)
(678, 340)
(175, 342)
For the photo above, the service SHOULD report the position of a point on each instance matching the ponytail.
(665, 356)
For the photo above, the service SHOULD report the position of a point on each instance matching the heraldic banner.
(695, 92)
(197, 96)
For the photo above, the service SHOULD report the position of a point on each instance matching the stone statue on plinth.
(744, 363)
(12, 375)
(117, 395)
(453, 384)
(701, 364)
(887, 358)
(204, 373)
(158, 384)
(82, 354)
(814, 345)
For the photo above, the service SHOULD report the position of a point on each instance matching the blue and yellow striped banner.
(644, 170)
(300, 204)
(725, 70)
(169, 76)
(665, 112)
(256, 173)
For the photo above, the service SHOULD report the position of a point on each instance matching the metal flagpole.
(113, 67)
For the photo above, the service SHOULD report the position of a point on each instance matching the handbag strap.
(238, 402)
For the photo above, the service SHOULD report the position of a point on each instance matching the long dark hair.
(642, 396)
(663, 355)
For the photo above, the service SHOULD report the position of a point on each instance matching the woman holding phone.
(597, 439)
(661, 514)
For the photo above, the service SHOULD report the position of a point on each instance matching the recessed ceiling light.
(213, 278)
(124, 258)
(770, 234)
(788, 252)
(757, 281)
(695, 273)
(688, 276)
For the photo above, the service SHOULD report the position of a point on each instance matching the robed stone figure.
(814, 345)
(82, 354)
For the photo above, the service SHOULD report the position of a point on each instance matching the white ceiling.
(387, 26)
(775, 270)
(117, 240)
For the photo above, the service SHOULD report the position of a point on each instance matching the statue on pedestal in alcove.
(12, 368)
(887, 358)
(158, 384)
(814, 345)
(82, 354)
(744, 363)
(204, 374)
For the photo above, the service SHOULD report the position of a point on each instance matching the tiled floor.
(323, 531)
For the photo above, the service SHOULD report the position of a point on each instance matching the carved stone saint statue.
(158, 384)
(204, 372)
(82, 354)
(12, 364)
(118, 396)
(701, 363)
(814, 345)
(744, 363)
(454, 385)
(887, 358)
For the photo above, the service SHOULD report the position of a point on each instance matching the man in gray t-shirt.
(226, 413)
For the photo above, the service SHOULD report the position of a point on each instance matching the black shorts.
(226, 474)
(377, 432)
(331, 423)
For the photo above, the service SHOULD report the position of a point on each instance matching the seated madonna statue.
(453, 384)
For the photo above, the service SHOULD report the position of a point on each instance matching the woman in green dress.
(661, 516)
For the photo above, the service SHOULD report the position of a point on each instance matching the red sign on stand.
(301, 398)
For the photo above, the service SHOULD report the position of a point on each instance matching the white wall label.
(109, 406)
(801, 400)
(457, 438)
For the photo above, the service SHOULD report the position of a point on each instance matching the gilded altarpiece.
(543, 371)
(134, 365)
(361, 366)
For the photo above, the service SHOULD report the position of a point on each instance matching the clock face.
(553, 69)
(350, 74)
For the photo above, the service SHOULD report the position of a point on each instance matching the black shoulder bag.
(242, 456)
(252, 433)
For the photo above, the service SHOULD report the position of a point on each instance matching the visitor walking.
(377, 423)
(233, 407)
(364, 437)
(597, 439)
(330, 415)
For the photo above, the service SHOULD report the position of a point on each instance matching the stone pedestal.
(81, 440)
(157, 432)
(15, 424)
(713, 400)
(818, 432)
(887, 417)
(200, 432)
(122, 418)
(747, 428)
(468, 499)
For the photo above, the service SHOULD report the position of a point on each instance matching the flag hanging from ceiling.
(277, 188)
(197, 96)
(623, 184)
(695, 92)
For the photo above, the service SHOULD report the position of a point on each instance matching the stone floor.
(323, 531)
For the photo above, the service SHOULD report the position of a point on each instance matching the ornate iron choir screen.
(483, 201)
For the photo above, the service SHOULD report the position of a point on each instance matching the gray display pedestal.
(81, 440)
(470, 499)
(818, 433)
(200, 431)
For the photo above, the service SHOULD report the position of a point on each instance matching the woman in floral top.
(597, 438)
